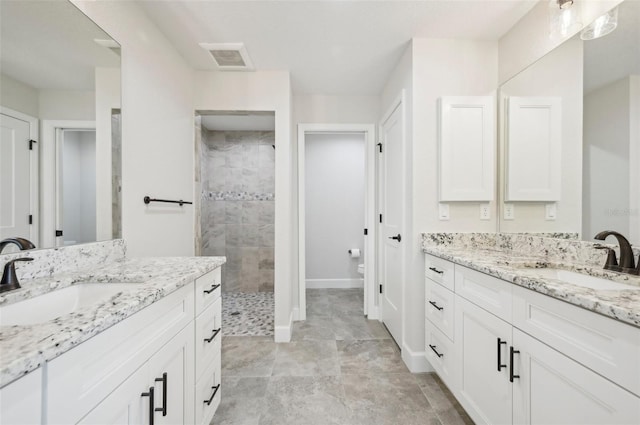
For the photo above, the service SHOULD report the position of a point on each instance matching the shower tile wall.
(238, 185)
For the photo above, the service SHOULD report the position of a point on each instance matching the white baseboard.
(334, 283)
(296, 314)
(416, 361)
(372, 313)
(283, 333)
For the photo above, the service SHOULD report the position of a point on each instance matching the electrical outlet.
(443, 211)
(485, 211)
(550, 211)
(509, 212)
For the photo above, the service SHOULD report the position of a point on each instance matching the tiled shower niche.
(238, 184)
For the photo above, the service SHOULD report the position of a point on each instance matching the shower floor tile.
(247, 314)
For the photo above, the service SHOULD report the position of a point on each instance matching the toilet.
(361, 269)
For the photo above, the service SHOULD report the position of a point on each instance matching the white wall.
(634, 154)
(66, 105)
(334, 205)
(323, 109)
(18, 96)
(157, 131)
(263, 91)
(558, 74)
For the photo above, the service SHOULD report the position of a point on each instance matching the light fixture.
(602, 26)
(564, 18)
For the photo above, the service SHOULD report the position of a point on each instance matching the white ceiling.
(250, 122)
(330, 47)
(49, 45)
(615, 55)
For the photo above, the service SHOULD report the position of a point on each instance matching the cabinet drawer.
(207, 289)
(440, 353)
(488, 292)
(21, 401)
(439, 307)
(604, 345)
(208, 326)
(208, 393)
(439, 270)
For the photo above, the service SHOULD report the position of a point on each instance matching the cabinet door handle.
(500, 365)
(163, 409)
(213, 288)
(151, 403)
(433, 347)
(433, 303)
(215, 390)
(215, 332)
(433, 269)
(511, 353)
(398, 237)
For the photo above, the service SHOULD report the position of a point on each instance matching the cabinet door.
(483, 390)
(171, 373)
(553, 389)
(21, 401)
(125, 405)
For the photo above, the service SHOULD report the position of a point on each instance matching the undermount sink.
(580, 279)
(51, 305)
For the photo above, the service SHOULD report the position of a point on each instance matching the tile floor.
(339, 369)
(247, 314)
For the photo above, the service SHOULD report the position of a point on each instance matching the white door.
(391, 208)
(15, 178)
(483, 378)
(553, 389)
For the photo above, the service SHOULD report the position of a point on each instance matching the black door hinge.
(58, 233)
(380, 147)
(366, 232)
(31, 142)
(380, 218)
(381, 289)
(30, 218)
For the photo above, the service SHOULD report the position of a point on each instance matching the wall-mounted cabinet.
(534, 149)
(467, 148)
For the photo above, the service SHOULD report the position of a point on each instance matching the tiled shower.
(237, 175)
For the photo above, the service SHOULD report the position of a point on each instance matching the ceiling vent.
(229, 56)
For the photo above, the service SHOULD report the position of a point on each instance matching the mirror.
(60, 148)
(570, 137)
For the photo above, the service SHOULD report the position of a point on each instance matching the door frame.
(34, 196)
(370, 254)
(48, 174)
(398, 103)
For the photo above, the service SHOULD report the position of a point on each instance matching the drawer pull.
(163, 409)
(433, 303)
(151, 403)
(215, 332)
(213, 288)
(215, 390)
(433, 347)
(500, 365)
(511, 353)
(433, 269)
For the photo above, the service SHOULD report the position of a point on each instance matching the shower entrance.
(235, 175)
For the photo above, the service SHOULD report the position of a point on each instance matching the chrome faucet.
(627, 262)
(22, 243)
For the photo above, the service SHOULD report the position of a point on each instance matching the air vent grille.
(229, 56)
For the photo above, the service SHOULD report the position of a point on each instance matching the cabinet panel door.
(171, 372)
(125, 405)
(483, 391)
(21, 401)
(553, 389)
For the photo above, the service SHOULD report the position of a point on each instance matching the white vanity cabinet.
(21, 401)
(525, 358)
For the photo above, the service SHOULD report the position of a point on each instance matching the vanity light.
(602, 26)
(564, 18)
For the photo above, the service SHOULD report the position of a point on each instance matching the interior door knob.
(397, 238)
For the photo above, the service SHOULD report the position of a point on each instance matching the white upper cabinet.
(534, 149)
(467, 148)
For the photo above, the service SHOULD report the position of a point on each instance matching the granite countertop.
(24, 348)
(622, 305)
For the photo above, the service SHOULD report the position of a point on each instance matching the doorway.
(335, 221)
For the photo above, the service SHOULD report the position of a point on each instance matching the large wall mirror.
(60, 148)
(570, 137)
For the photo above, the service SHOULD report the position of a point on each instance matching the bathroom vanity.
(539, 339)
(134, 340)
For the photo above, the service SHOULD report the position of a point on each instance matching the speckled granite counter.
(515, 259)
(24, 348)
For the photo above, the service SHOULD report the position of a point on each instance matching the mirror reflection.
(60, 131)
(575, 116)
